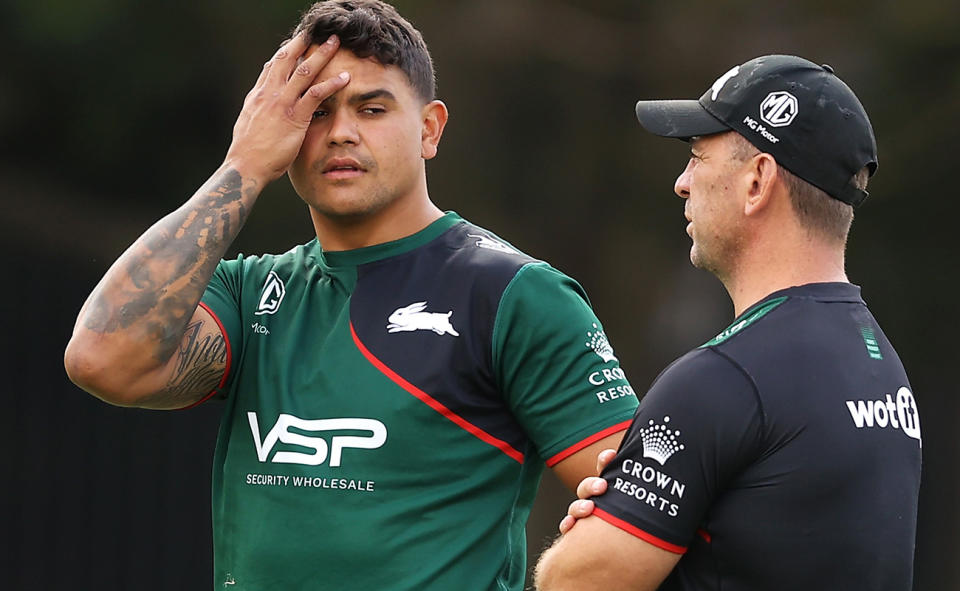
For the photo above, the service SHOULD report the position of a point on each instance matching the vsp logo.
(779, 109)
(271, 296)
(901, 414)
(413, 317)
(321, 449)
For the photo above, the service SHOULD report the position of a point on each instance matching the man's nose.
(682, 185)
(343, 129)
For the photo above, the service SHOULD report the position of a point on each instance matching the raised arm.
(141, 338)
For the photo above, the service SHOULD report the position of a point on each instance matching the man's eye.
(319, 113)
(373, 110)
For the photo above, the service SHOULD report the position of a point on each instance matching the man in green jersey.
(391, 389)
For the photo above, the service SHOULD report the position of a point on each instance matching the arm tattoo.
(152, 291)
(201, 362)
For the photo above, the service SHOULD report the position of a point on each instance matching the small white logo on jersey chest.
(413, 317)
(271, 296)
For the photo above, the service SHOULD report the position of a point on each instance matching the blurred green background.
(112, 112)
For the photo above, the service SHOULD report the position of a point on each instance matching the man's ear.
(760, 177)
(434, 120)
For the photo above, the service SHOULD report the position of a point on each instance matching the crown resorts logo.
(659, 442)
(600, 345)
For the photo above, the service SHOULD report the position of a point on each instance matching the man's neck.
(782, 263)
(397, 220)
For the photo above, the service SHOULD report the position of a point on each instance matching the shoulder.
(489, 254)
(811, 319)
(711, 400)
(470, 258)
(300, 255)
(703, 376)
(260, 267)
(466, 246)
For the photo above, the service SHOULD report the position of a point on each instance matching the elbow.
(89, 370)
(547, 576)
(568, 565)
(79, 364)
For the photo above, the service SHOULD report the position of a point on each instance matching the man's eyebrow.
(373, 94)
(361, 98)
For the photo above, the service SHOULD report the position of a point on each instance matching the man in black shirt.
(785, 452)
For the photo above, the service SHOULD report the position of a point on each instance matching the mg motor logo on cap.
(779, 109)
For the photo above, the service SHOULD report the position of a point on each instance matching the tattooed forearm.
(156, 285)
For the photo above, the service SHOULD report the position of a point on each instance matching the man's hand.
(589, 487)
(597, 555)
(278, 109)
(142, 339)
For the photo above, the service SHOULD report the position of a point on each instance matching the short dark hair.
(817, 211)
(371, 28)
(820, 212)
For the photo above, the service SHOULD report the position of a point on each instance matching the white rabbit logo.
(413, 317)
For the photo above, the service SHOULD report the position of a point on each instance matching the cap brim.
(682, 119)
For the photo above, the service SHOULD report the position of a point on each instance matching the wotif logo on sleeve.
(901, 414)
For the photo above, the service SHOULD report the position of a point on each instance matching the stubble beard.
(355, 207)
(718, 256)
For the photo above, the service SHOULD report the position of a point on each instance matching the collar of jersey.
(826, 292)
(823, 292)
(368, 254)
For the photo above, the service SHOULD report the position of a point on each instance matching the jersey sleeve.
(222, 300)
(699, 424)
(555, 365)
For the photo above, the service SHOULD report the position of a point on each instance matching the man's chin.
(699, 261)
(346, 211)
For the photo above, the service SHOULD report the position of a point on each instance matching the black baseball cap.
(800, 113)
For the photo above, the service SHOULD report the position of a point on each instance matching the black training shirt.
(782, 454)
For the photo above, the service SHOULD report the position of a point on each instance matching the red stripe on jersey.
(436, 404)
(226, 371)
(584, 443)
(638, 532)
(705, 535)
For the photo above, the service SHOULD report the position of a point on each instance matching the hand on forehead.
(343, 60)
(366, 74)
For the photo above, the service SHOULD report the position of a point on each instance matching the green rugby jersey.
(389, 410)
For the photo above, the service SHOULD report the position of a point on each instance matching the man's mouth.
(342, 168)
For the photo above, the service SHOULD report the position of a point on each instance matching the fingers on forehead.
(292, 47)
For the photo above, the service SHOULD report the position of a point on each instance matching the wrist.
(252, 175)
